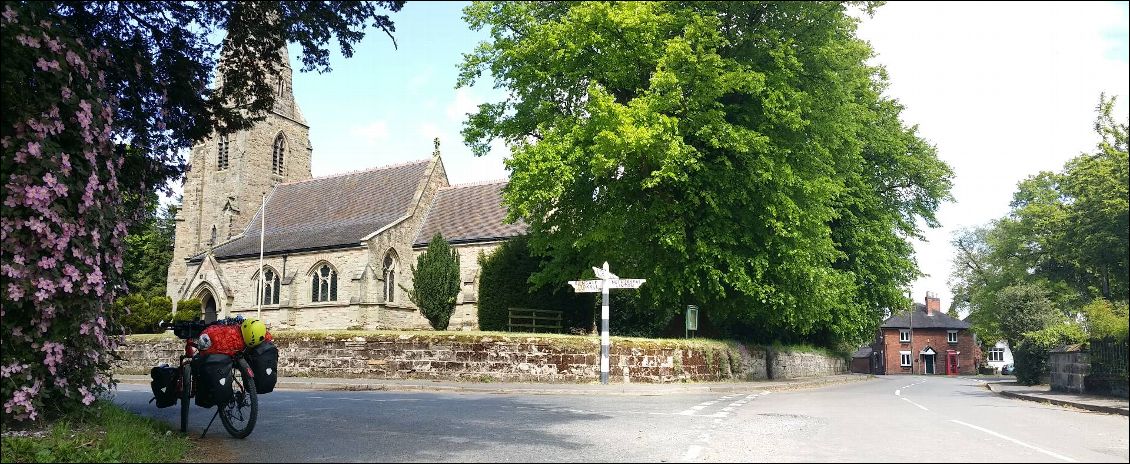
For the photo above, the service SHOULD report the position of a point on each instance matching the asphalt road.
(889, 418)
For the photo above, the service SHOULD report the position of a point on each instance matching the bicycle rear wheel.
(239, 414)
(185, 395)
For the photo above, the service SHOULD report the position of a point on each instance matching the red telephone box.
(951, 362)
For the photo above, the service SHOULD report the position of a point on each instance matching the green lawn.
(103, 432)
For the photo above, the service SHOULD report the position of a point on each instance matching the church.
(337, 250)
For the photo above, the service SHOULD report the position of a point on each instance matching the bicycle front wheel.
(185, 395)
(238, 415)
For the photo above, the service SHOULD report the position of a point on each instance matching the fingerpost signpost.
(605, 281)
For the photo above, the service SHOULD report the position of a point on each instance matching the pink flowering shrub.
(61, 221)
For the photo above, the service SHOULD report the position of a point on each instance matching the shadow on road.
(385, 426)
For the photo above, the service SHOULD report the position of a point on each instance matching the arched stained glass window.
(222, 153)
(270, 289)
(390, 276)
(323, 284)
(279, 156)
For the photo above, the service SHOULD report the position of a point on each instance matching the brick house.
(927, 342)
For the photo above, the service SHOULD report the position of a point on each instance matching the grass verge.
(102, 432)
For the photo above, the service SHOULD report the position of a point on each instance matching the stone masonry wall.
(1067, 369)
(496, 357)
(795, 365)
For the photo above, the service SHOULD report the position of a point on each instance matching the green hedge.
(139, 314)
(187, 310)
(504, 283)
(1031, 354)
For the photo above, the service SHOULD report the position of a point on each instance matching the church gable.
(330, 212)
(469, 213)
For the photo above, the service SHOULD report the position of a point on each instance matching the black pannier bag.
(164, 385)
(264, 361)
(213, 386)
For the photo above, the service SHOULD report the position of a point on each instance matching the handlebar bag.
(164, 385)
(214, 386)
(226, 339)
(264, 361)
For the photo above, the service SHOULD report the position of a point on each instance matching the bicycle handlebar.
(183, 328)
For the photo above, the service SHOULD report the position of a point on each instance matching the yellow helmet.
(254, 332)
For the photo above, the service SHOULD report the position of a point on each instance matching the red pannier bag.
(226, 339)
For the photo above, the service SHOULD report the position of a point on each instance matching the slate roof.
(330, 212)
(923, 321)
(469, 213)
(862, 352)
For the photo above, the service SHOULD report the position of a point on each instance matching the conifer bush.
(435, 282)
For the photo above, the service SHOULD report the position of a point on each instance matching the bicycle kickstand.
(210, 423)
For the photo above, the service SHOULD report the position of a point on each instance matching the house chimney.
(933, 304)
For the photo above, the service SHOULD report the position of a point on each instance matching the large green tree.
(98, 100)
(738, 155)
(1066, 233)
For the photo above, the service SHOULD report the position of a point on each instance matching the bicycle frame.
(189, 351)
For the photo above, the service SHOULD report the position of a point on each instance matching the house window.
(904, 358)
(904, 335)
(279, 155)
(951, 336)
(996, 355)
(222, 153)
(390, 276)
(323, 284)
(270, 289)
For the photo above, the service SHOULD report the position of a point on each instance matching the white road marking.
(916, 404)
(898, 392)
(990, 432)
(692, 453)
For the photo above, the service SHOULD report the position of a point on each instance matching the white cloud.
(1002, 91)
(465, 102)
(373, 133)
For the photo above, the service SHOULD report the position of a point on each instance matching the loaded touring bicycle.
(226, 364)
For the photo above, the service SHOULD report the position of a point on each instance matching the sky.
(1003, 90)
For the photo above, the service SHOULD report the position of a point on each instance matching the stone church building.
(337, 250)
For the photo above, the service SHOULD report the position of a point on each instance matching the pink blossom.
(66, 92)
(33, 149)
(15, 291)
(47, 65)
(28, 41)
(87, 397)
(47, 262)
(9, 14)
(54, 45)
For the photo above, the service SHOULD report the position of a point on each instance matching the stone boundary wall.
(798, 365)
(490, 356)
(1067, 370)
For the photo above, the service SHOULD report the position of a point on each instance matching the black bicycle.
(239, 412)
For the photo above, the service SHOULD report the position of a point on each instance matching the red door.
(951, 362)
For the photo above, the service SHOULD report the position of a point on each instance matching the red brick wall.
(936, 339)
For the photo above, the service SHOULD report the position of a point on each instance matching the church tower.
(229, 175)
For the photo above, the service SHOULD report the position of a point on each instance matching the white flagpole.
(262, 230)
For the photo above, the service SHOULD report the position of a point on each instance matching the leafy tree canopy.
(1066, 233)
(738, 155)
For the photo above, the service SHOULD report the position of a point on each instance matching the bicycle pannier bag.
(226, 339)
(164, 385)
(264, 360)
(214, 384)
